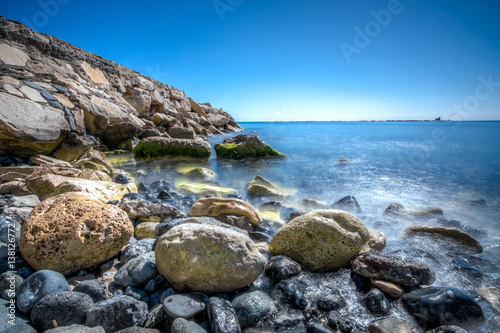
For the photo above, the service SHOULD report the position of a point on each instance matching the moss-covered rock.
(199, 174)
(203, 190)
(322, 240)
(91, 174)
(153, 148)
(245, 146)
(263, 188)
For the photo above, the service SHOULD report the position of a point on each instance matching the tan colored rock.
(90, 174)
(218, 120)
(12, 172)
(47, 186)
(140, 100)
(209, 259)
(73, 231)
(64, 100)
(94, 156)
(13, 91)
(49, 161)
(376, 241)
(145, 230)
(32, 94)
(219, 206)
(14, 187)
(12, 56)
(465, 241)
(200, 190)
(23, 126)
(492, 295)
(197, 108)
(95, 74)
(161, 118)
(389, 288)
(321, 240)
(10, 80)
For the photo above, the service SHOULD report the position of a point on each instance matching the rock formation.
(56, 98)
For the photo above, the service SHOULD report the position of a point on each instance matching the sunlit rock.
(220, 206)
(203, 190)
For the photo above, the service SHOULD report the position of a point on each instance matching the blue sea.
(449, 165)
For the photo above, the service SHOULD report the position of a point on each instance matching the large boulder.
(156, 147)
(73, 231)
(24, 130)
(321, 240)
(221, 206)
(244, 146)
(208, 259)
(50, 185)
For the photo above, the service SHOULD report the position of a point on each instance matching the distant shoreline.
(365, 121)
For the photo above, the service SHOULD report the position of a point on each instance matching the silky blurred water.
(416, 164)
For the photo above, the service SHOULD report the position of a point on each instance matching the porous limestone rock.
(73, 231)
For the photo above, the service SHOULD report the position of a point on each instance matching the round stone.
(38, 285)
(185, 305)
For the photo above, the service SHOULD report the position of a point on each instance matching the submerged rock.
(208, 259)
(405, 273)
(263, 188)
(199, 174)
(398, 210)
(73, 231)
(461, 238)
(152, 148)
(322, 240)
(203, 190)
(437, 306)
(245, 146)
(349, 204)
(338, 321)
(331, 302)
(219, 206)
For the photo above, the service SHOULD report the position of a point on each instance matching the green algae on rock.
(156, 147)
(245, 146)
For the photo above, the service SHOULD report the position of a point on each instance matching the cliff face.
(56, 98)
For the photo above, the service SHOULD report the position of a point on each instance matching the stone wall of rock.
(55, 96)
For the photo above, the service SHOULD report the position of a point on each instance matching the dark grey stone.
(157, 284)
(181, 325)
(138, 248)
(56, 105)
(21, 327)
(437, 306)
(163, 227)
(281, 267)
(349, 204)
(402, 272)
(121, 179)
(117, 313)
(10, 281)
(330, 302)
(62, 89)
(294, 293)
(376, 302)
(33, 85)
(38, 285)
(138, 294)
(137, 271)
(185, 305)
(315, 327)
(222, 316)
(447, 329)
(48, 96)
(252, 307)
(338, 321)
(7, 226)
(156, 315)
(65, 307)
(96, 289)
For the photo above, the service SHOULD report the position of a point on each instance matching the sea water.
(449, 165)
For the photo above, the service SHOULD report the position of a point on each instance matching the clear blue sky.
(283, 60)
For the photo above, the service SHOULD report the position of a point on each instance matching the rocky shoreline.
(87, 247)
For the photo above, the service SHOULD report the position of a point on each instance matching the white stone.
(12, 56)
(13, 91)
(33, 94)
